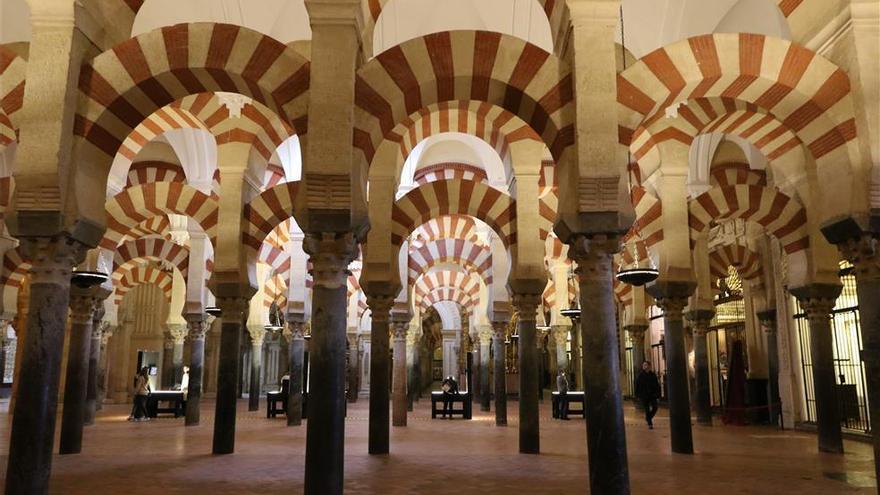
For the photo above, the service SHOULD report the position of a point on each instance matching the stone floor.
(444, 457)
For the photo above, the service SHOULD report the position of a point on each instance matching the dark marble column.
(499, 334)
(82, 306)
(330, 255)
(398, 380)
(197, 325)
(258, 335)
(107, 332)
(637, 337)
(33, 421)
(233, 301)
(863, 251)
(415, 375)
(529, 432)
(818, 301)
(92, 388)
(606, 434)
(768, 324)
(353, 367)
(167, 361)
(672, 297)
(700, 320)
(379, 428)
(296, 338)
(485, 359)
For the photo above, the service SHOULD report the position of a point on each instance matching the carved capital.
(258, 335)
(82, 305)
(380, 306)
(817, 300)
(234, 308)
(330, 254)
(527, 305)
(295, 330)
(636, 331)
(768, 320)
(560, 334)
(197, 324)
(700, 320)
(593, 255)
(671, 297)
(176, 333)
(499, 330)
(862, 252)
(52, 258)
(399, 330)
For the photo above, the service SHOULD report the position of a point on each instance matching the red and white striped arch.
(154, 249)
(489, 67)
(15, 268)
(746, 261)
(154, 226)
(448, 171)
(493, 124)
(548, 298)
(275, 291)
(557, 16)
(733, 173)
(454, 197)
(782, 216)
(468, 302)
(473, 257)
(136, 204)
(446, 227)
(278, 259)
(122, 87)
(12, 81)
(266, 212)
(143, 275)
(154, 171)
(649, 210)
(623, 293)
(467, 283)
(808, 94)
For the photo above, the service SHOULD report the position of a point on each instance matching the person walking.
(450, 390)
(562, 388)
(141, 393)
(648, 392)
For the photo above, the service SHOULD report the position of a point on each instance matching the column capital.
(399, 330)
(593, 255)
(52, 258)
(864, 254)
(257, 333)
(499, 329)
(82, 305)
(330, 254)
(177, 333)
(527, 305)
(560, 334)
(295, 329)
(197, 324)
(636, 329)
(380, 306)
(700, 320)
(767, 318)
(671, 297)
(817, 299)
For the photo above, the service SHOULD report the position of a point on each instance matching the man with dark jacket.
(450, 390)
(648, 391)
(562, 388)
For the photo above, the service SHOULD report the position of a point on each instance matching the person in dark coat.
(450, 390)
(562, 388)
(648, 391)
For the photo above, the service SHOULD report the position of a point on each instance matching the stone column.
(672, 297)
(637, 336)
(197, 325)
(606, 434)
(399, 379)
(768, 324)
(103, 360)
(862, 251)
(380, 309)
(92, 386)
(485, 387)
(82, 306)
(296, 338)
(412, 346)
(167, 361)
(499, 334)
(560, 339)
(234, 302)
(258, 334)
(818, 300)
(178, 337)
(330, 255)
(529, 433)
(33, 420)
(700, 320)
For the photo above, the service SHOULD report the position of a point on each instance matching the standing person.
(648, 391)
(450, 390)
(141, 392)
(562, 388)
(184, 387)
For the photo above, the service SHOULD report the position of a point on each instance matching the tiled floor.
(444, 457)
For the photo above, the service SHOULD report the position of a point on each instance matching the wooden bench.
(462, 397)
(572, 397)
(174, 399)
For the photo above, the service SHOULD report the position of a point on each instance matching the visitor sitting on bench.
(450, 390)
